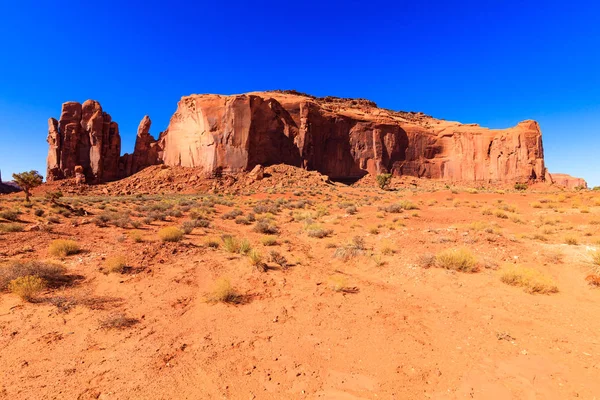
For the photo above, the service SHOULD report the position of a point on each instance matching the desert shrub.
(175, 213)
(266, 206)
(278, 259)
(9, 215)
(392, 208)
(500, 214)
(244, 246)
(27, 287)
(426, 260)
(241, 220)
(170, 234)
(269, 240)
(233, 245)
(299, 204)
(188, 226)
(63, 248)
(457, 259)
(266, 227)
(224, 292)
(520, 186)
(353, 249)
(51, 273)
(10, 228)
(408, 205)
(571, 240)
(384, 181)
(157, 216)
(256, 260)
(316, 231)
(507, 207)
(115, 264)
(232, 214)
(136, 237)
(38, 212)
(531, 280)
(230, 244)
(202, 222)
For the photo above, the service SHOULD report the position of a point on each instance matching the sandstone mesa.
(344, 139)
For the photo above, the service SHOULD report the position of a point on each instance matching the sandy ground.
(375, 326)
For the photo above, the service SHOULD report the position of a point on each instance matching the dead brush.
(52, 273)
(117, 321)
(278, 259)
(256, 260)
(353, 249)
(531, 280)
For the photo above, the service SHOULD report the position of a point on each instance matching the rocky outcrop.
(146, 151)
(83, 136)
(344, 139)
(86, 136)
(569, 181)
(230, 134)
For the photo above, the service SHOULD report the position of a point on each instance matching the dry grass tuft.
(224, 292)
(115, 264)
(269, 240)
(63, 248)
(170, 234)
(531, 280)
(27, 287)
(457, 259)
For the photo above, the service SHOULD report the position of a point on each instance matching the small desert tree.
(384, 180)
(27, 181)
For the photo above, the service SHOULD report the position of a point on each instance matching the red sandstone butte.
(344, 139)
(341, 138)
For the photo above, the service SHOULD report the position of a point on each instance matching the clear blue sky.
(490, 62)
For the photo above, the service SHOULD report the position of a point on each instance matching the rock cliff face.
(569, 181)
(342, 138)
(86, 136)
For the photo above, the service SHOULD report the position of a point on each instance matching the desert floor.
(316, 291)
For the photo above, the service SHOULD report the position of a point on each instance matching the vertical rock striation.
(83, 136)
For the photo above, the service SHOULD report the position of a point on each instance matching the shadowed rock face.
(341, 138)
